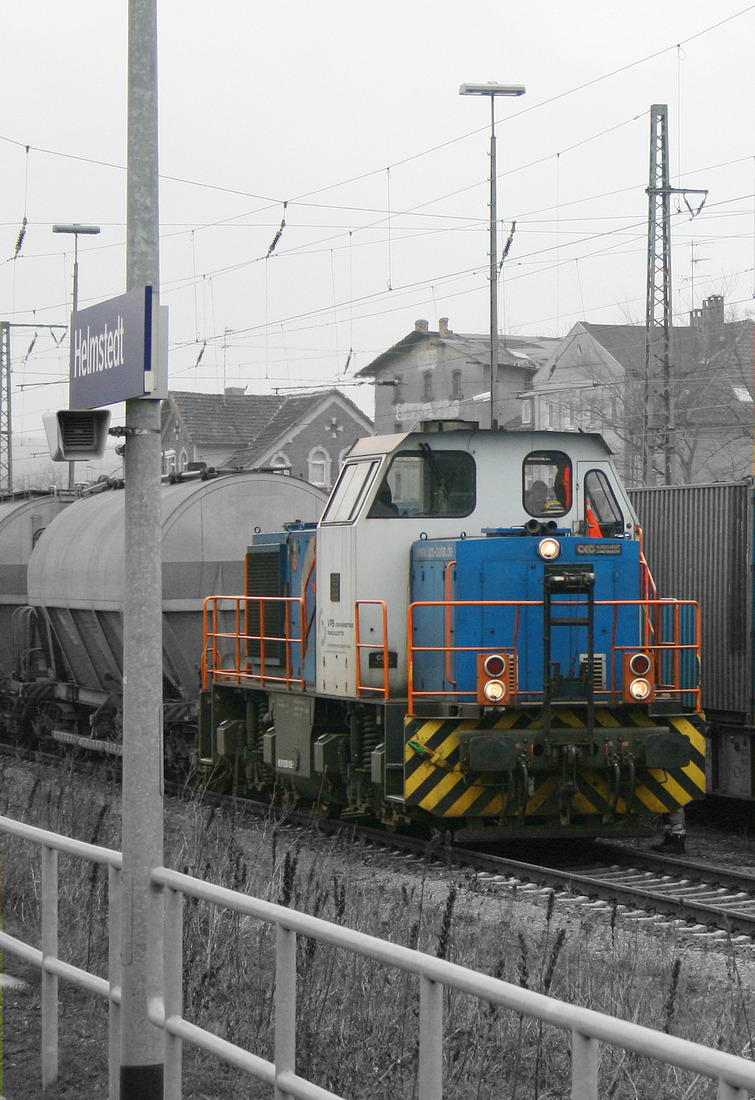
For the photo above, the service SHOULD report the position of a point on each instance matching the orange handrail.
(449, 567)
(659, 647)
(305, 586)
(650, 590)
(362, 688)
(241, 670)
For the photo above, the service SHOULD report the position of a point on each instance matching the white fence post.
(173, 990)
(114, 979)
(584, 1067)
(430, 1039)
(285, 1006)
(49, 981)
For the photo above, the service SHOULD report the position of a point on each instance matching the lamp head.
(492, 88)
(74, 227)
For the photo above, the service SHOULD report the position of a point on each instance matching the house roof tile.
(520, 351)
(252, 423)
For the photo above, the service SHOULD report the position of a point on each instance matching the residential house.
(306, 435)
(596, 381)
(446, 375)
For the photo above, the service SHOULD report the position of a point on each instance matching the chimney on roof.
(713, 313)
(235, 391)
(443, 327)
(709, 320)
(421, 326)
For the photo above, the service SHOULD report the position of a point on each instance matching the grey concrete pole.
(142, 1045)
(75, 304)
(493, 273)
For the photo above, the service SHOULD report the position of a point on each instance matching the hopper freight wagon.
(23, 518)
(63, 596)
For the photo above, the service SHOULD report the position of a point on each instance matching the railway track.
(706, 901)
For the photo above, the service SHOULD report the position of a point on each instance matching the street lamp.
(76, 229)
(493, 89)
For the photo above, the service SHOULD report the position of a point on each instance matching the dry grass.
(358, 1022)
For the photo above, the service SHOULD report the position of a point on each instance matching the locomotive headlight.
(494, 691)
(549, 549)
(496, 677)
(640, 689)
(639, 677)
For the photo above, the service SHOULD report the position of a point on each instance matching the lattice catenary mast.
(6, 432)
(658, 426)
(6, 423)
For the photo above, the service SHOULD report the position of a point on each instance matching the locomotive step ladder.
(572, 579)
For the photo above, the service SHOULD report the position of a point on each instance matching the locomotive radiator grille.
(435, 781)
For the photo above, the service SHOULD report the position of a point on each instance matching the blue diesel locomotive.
(469, 638)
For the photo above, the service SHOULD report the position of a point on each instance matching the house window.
(169, 462)
(527, 411)
(427, 386)
(282, 462)
(318, 465)
(398, 390)
(456, 391)
(183, 460)
(590, 417)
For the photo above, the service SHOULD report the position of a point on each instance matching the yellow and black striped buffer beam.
(435, 782)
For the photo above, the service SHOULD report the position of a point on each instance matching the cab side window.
(603, 518)
(351, 488)
(547, 484)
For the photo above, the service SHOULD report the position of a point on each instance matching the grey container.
(699, 545)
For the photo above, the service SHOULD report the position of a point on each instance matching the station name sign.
(91, 354)
(115, 350)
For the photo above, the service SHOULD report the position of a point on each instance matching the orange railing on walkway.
(239, 648)
(661, 628)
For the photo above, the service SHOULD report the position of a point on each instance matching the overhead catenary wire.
(436, 148)
(530, 258)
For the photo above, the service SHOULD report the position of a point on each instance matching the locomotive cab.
(395, 491)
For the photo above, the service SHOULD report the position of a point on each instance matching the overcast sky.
(350, 114)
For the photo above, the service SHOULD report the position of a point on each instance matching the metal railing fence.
(586, 1027)
(46, 958)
